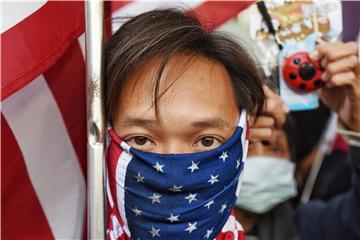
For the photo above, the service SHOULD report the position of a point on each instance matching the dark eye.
(275, 149)
(140, 140)
(207, 141)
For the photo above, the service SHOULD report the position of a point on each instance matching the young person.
(263, 206)
(336, 218)
(177, 100)
(339, 217)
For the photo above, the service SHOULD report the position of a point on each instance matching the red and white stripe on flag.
(43, 112)
(43, 134)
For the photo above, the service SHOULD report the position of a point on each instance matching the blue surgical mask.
(266, 182)
(176, 196)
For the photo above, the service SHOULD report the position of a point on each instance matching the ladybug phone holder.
(301, 73)
(299, 76)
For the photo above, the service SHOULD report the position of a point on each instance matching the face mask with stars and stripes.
(175, 196)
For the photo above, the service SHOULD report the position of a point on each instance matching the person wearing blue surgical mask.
(268, 183)
(264, 212)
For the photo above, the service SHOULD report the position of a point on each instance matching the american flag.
(43, 112)
(174, 196)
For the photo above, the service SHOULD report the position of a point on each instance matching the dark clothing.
(339, 218)
(351, 20)
(277, 224)
(334, 177)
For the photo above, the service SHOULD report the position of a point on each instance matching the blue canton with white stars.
(182, 196)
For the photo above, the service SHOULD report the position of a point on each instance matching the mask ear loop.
(243, 123)
(125, 146)
(242, 119)
(114, 137)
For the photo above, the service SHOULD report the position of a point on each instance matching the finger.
(264, 122)
(319, 51)
(275, 107)
(268, 93)
(334, 51)
(276, 104)
(357, 73)
(324, 62)
(341, 79)
(346, 64)
(261, 134)
(342, 50)
(251, 120)
(315, 54)
(277, 110)
(268, 90)
(319, 41)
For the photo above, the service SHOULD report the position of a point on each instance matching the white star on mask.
(223, 207)
(136, 211)
(176, 188)
(139, 178)
(213, 179)
(192, 227)
(193, 166)
(158, 167)
(191, 197)
(173, 218)
(154, 232)
(208, 233)
(224, 156)
(211, 202)
(238, 164)
(155, 197)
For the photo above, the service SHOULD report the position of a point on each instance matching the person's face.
(278, 148)
(197, 109)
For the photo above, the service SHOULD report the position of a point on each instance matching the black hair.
(161, 34)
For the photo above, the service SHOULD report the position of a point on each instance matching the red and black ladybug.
(302, 73)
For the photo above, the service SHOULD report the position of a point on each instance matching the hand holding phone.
(301, 73)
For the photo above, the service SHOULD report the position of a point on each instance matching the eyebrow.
(140, 122)
(212, 122)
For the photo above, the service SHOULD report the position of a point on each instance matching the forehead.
(190, 86)
(183, 71)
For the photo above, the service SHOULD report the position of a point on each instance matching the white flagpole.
(95, 119)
